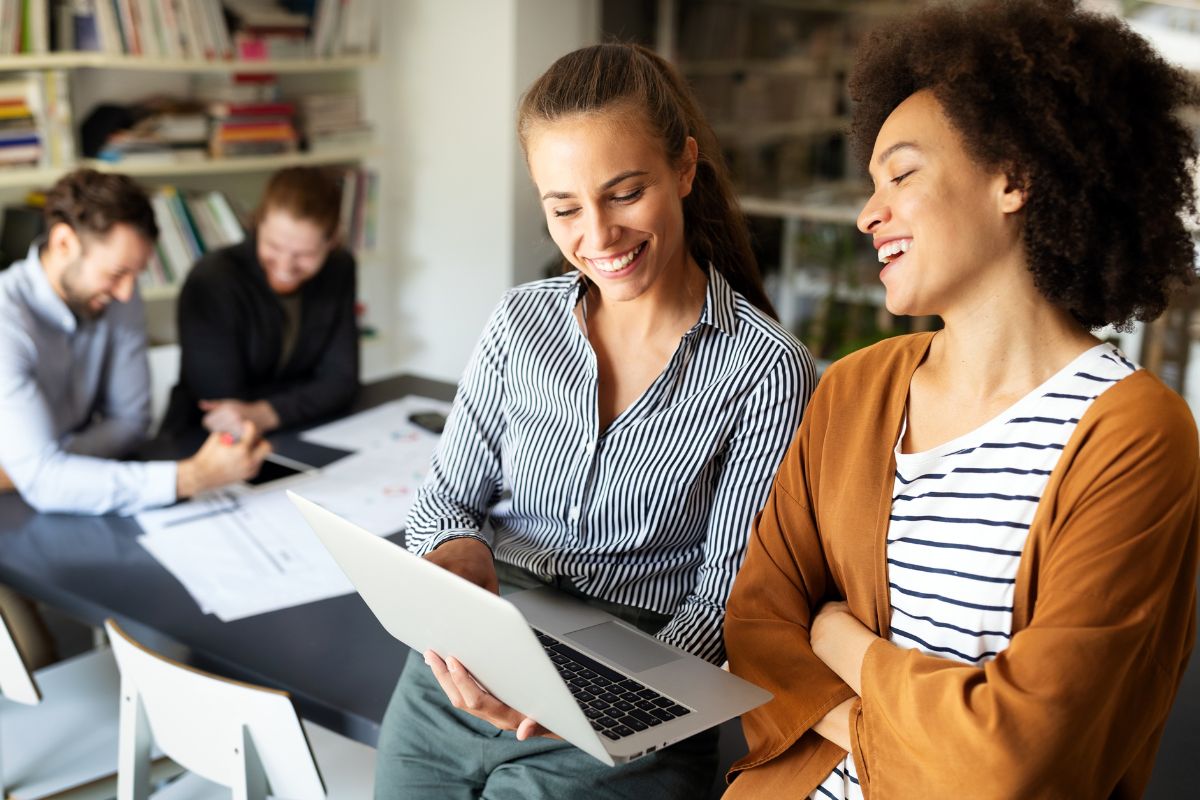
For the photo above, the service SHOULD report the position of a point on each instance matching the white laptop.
(604, 686)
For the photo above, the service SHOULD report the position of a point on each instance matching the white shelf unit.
(17, 178)
(226, 166)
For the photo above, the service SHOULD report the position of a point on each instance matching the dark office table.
(333, 657)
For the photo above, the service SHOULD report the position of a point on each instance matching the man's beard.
(79, 303)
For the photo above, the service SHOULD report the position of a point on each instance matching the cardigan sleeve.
(782, 583)
(1070, 707)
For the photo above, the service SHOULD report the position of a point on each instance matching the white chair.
(242, 737)
(58, 726)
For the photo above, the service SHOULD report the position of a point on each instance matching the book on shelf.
(242, 129)
(24, 27)
(346, 27)
(190, 224)
(333, 121)
(268, 31)
(234, 88)
(223, 110)
(35, 120)
(168, 29)
(358, 220)
(210, 30)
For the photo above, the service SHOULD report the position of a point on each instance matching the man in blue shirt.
(74, 379)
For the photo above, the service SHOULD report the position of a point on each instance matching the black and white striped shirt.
(655, 512)
(960, 516)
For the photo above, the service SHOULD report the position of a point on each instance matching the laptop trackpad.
(633, 652)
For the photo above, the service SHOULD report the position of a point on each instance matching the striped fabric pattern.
(654, 513)
(960, 516)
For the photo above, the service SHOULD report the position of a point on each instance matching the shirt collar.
(42, 298)
(720, 303)
(720, 309)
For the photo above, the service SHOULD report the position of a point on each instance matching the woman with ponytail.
(618, 427)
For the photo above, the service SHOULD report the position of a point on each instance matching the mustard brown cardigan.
(1103, 618)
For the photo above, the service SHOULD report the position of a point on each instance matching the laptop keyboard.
(616, 705)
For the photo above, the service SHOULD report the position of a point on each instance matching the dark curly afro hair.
(1078, 110)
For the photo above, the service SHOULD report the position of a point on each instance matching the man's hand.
(222, 459)
(6, 484)
(227, 416)
(468, 558)
(465, 694)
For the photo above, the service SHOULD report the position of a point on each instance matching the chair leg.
(252, 778)
(133, 757)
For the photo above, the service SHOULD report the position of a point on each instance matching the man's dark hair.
(93, 202)
(1076, 109)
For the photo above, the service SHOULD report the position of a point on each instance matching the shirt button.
(590, 447)
(574, 514)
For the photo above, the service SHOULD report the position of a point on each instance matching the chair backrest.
(16, 682)
(223, 730)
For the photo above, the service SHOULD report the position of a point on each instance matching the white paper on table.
(209, 504)
(257, 556)
(374, 489)
(242, 551)
(376, 427)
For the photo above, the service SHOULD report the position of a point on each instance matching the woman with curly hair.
(975, 573)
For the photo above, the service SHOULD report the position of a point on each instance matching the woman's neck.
(1007, 348)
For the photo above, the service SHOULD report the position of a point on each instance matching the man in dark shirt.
(266, 327)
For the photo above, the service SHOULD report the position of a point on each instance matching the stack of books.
(252, 129)
(189, 225)
(333, 122)
(21, 139)
(266, 30)
(237, 87)
(169, 136)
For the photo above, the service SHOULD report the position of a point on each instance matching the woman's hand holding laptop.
(465, 694)
(471, 559)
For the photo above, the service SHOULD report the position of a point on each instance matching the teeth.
(617, 264)
(893, 248)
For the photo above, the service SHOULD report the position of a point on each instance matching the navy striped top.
(655, 512)
(960, 516)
